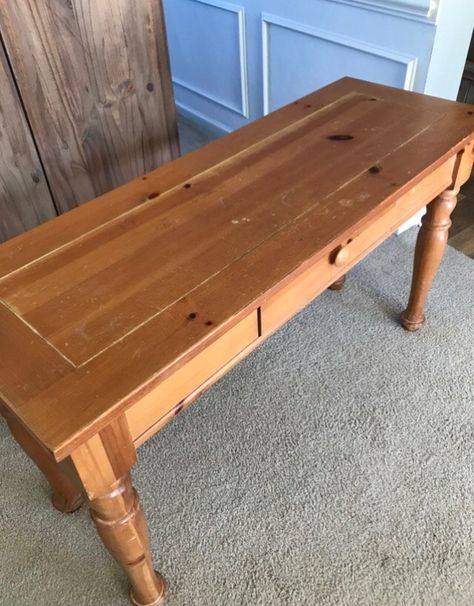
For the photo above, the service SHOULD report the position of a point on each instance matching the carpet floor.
(333, 467)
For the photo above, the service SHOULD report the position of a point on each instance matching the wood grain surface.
(105, 304)
(94, 79)
(25, 200)
(129, 288)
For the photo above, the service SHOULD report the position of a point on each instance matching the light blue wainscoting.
(234, 61)
(322, 57)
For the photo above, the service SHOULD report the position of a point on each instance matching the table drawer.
(188, 378)
(317, 277)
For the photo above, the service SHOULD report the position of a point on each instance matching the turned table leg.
(430, 247)
(338, 284)
(103, 465)
(66, 496)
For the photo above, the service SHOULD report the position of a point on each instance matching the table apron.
(149, 414)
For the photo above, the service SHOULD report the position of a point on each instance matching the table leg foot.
(160, 599)
(67, 497)
(338, 284)
(412, 325)
(430, 246)
(67, 503)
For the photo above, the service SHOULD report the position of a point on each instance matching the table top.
(100, 304)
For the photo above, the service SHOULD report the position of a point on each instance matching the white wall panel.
(234, 59)
(208, 52)
(298, 59)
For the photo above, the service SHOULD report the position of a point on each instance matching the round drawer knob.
(341, 257)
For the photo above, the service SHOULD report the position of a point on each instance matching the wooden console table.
(115, 316)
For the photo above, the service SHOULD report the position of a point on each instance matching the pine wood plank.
(104, 303)
(28, 364)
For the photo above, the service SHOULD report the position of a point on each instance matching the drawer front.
(188, 379)
(312, 281)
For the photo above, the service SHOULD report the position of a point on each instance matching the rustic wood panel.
(25, 200)
(94, 78)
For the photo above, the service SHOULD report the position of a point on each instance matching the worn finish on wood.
(430, 247)
(102, 465)
(25, 200)
(94, 79)
(114, 317)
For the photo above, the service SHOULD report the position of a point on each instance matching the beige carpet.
(332, 467)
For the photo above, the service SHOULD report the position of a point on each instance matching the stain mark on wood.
(192, 316)
(340, 137)
(374, 170)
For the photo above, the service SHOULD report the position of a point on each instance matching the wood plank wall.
(95, 83)
(25, 200)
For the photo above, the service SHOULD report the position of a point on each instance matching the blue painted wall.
(232, 62)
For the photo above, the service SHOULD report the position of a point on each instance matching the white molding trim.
(243, 110)
(409, 62)
(417, 10)
(221, 128)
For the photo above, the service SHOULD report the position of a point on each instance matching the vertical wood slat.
(25, 200)
(95, 81)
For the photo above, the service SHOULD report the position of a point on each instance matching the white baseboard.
(214, 126)
(415, 221)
